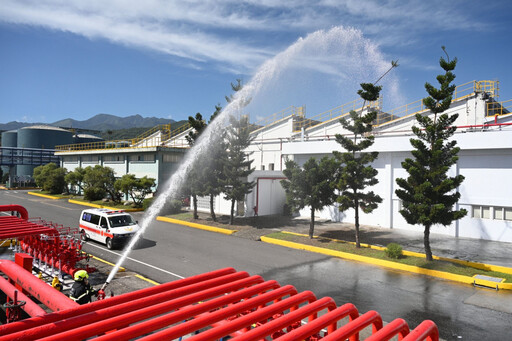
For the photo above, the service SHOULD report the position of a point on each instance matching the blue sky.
(171, 59)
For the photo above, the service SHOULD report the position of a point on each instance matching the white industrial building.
(484, 135)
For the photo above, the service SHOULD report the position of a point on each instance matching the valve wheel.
(109, 244)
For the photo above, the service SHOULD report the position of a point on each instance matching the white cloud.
(235, 35)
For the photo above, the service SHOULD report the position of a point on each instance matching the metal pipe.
(30, 307)
(47, 295)
(111, 310)
(351, 330)
(318, 324)
(396, 327)
(183, 308)
(22, 210)
(83, 309)
(266, 329)
(427, 330)
(239, 323)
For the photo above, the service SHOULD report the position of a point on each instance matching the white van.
(112, 228)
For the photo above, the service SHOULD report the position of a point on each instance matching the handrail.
(336, 113)
(499, 108)
(291, 110)
(461, 92)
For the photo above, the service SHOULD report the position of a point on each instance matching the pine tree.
(237, 166)
(310, 186)
(195, 185)
(428, 194)
(355, 172)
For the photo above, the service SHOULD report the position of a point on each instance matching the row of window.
(491, 212)
(120, 158)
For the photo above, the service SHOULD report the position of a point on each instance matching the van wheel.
(109, 243)
(83, 236)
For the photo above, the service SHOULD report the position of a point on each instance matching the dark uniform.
(81, 291)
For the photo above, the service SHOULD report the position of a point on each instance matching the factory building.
(484, 135)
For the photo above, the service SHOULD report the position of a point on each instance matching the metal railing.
(144, 140)
(290, 111)
(336, 113)
(461, 92)
(499, 108)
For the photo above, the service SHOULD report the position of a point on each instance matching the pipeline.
(22, 210)
(30, 307)
(50, 297)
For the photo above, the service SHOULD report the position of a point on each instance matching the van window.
(121, 220)
(95, 219)
(103, 222)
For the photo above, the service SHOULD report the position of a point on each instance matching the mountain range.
(100, 122)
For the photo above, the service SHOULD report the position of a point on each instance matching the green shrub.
(146, 203)
(394, 250)
(94, 193)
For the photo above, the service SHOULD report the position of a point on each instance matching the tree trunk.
(356, 208)
(194, 201)
(312, 223)
(231, 217)
(426, 242)
(212, 212)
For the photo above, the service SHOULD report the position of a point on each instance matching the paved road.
(171, 251)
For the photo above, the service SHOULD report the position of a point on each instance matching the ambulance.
(111, 227)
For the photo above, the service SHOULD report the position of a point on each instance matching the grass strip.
(438, 265)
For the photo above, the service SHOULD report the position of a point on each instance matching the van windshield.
(121, 220)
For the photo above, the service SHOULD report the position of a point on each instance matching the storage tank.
(86, 138)
(10, 138)
(41, 137)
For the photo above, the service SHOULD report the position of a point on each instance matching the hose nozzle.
(104, 286)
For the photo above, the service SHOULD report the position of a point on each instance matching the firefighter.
(81, 291)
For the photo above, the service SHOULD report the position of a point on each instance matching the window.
(508, 213)
(95, 219)
(476, 212)
(498, 213)
(271, 166)
(172, 157)
(262, 167)
(113, 158)
(90, 158)
(486, 212)
(142, 157)
(71, 159)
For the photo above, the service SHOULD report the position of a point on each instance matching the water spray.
(344, 39)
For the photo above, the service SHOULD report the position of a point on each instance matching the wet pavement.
(469, 249)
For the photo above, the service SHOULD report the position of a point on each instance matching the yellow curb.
(480, 266)
(102, 206)
(198, 226)
(385, 263)
(147, 280)
(43, 195)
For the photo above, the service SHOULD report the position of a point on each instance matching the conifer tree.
(355, 172)
(195, 185)
(310, 186)
(428, 194)
(237, 166)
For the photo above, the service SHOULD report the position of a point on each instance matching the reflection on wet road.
(458, 310)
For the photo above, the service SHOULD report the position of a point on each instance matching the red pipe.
(427, 330)
(318, 324)
(83, 309)
(353, 328)
(191, 311)
(268, 328)
(107, 319)
(396, 327)
(22, 210)
(110, 310)
(30, 307)
(237, 324)
(47, 295)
